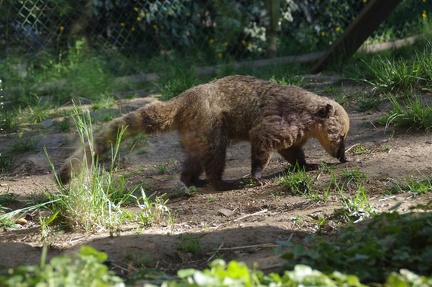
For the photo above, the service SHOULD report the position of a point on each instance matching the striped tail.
(153, 118)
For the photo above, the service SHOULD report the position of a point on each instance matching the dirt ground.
(243, 224)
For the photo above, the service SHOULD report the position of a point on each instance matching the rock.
(47, 123)
(225, 212)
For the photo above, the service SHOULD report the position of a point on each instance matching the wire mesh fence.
(207, 31)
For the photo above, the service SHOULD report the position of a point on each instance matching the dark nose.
(340, 155)
(342, 158)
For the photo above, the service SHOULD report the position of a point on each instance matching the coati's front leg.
(295, 156)
(260, 159)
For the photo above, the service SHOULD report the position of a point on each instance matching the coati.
(270, 116)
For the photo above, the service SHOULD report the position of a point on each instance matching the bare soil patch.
(243, 224)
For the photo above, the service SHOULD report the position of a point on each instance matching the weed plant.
(354, 208)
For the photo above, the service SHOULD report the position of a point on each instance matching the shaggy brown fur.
(270, 116)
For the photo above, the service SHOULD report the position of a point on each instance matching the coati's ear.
(324, 111)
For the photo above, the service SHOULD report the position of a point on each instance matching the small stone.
(47, 123)
(225, 212)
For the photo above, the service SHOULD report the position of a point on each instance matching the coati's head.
(332, 128)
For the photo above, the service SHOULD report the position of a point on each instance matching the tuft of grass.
(415, 185)
(173, 83)
(354, 208)
(94, 200)
(297, 182)
(138, 260)
(7, 198)
(189, 244)
(22, 145)
(64, 125)
(354, 175)
(104, 101)
(153, 209)
(389, 74)
(287, 80)
(368, 102)
(411, 113)
(5, 163)
(161, 168)
(35, 113)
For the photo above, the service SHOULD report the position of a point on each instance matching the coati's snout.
(340, 153)
(335, 148)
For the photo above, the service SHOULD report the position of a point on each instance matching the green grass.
(366, 103)
(96, 198)
(5, 163)
(297, 182)
(353, 175)
(188, 244)
(421, 185)
(412, 113)
(24, 145)
(175, 81)
(354, 207)
(395, 71)
(64, 125)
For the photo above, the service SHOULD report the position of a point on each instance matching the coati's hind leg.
(213, 161)
(192, 169)
(295, 156)
(210, 148)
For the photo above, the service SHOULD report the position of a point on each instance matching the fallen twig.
(214, 253)
(351, 147)
(265, 245)
(252, 214)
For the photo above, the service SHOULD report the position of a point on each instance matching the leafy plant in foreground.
(85, 268)
(390, 242)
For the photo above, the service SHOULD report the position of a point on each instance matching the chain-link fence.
(207, 31)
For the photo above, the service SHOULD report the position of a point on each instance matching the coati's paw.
(311, 166)
(261, 182)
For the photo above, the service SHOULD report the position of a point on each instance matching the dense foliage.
(390, 242)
